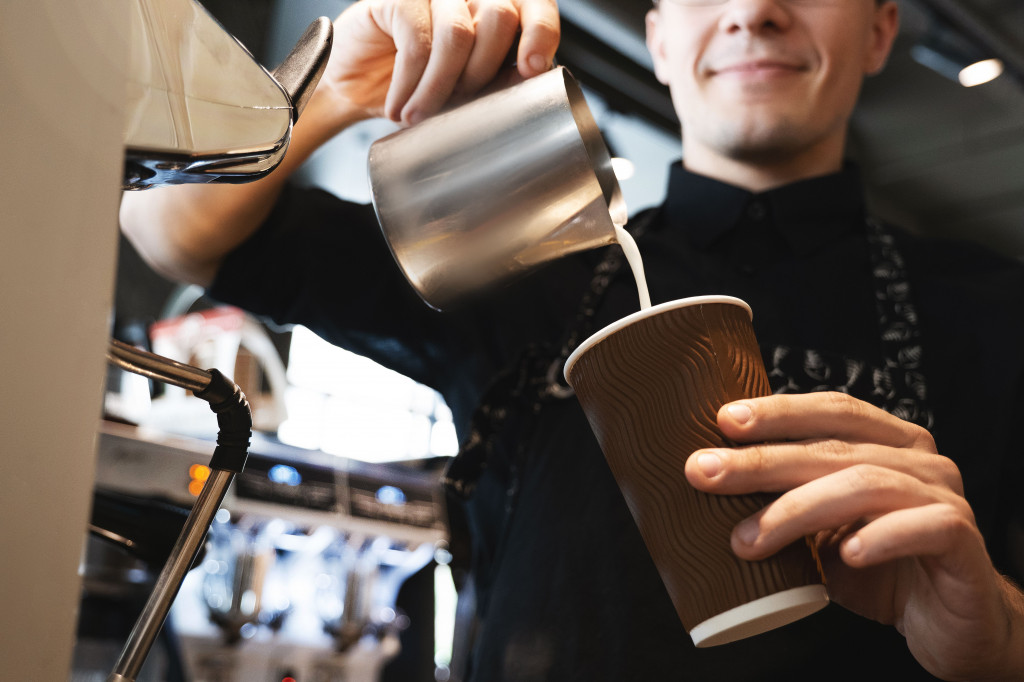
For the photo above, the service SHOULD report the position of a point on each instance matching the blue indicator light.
(284, 474)
(389, 494)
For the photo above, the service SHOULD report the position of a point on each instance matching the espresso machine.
(65, 72)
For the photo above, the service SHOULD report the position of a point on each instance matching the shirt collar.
(808, 213)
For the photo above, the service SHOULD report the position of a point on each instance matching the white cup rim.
(621, 324)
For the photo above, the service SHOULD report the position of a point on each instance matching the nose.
(755, 16)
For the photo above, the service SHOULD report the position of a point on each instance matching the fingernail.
(740, 412)
(747, 532)
(709, 463)
(854, 546)
(414, 117)
(537, 62)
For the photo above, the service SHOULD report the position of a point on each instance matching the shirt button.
(756, 211)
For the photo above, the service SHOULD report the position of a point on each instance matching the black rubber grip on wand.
(235, 420)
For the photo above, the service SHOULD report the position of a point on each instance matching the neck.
(759, 174)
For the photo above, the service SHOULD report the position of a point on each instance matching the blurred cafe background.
(329, 558)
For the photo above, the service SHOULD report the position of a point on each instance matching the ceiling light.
(952, 56)
(980, 72)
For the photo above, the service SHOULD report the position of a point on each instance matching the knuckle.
(545, 31)
(830, 448)
(418, 50)
(458, 35)
(949, 473)
(963, 511)
(866, 477)
(843, 403)
(921, 439)
(503, 16)
(786, 506)
(954, 519)
(757, 459)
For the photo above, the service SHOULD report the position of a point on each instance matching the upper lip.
(755, 64)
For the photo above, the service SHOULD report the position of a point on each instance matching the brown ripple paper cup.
(651, 385)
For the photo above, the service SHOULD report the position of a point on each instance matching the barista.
(764, 90)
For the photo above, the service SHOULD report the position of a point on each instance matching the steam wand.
(235, 422)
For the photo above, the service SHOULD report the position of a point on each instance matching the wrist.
(326, 114)
(1012, 667)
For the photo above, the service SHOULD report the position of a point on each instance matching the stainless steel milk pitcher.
(494, 187)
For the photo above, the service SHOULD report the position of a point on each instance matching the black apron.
(516, 396)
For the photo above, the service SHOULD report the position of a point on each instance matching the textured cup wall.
(651, 392)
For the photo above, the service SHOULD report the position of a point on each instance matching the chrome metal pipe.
(169, 582)
(152, 366)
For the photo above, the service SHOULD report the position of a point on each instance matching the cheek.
(844, 53)
(841, 74)
(682, 51)
(685, 37)
(685, 82)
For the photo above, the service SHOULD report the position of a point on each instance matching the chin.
(761, 144)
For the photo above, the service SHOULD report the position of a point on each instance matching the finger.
(957, 595)
(826, 414)
(844, 497)
(496, 25)
(936, 530)
(541, 32)
(777, 467)
(453, 39)
(410, 26)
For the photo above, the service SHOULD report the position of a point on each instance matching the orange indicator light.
(198, 472)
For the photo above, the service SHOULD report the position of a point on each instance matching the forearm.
(185, 231)
(1013, 666)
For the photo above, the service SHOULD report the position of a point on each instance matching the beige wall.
(61, 100)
